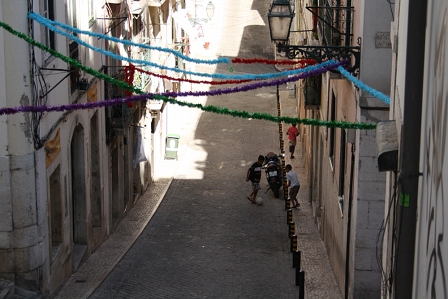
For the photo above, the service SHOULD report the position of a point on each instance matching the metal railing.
(142, 80)
(117, 116)
(334, 21)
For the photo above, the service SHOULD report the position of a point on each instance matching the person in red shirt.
(292, 133)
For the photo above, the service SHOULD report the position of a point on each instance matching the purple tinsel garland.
(113, 102)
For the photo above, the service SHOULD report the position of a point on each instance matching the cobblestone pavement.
(82, 283)
(194, 234)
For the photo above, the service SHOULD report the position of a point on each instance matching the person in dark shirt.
(254, 175)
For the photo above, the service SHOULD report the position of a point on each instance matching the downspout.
(349, 222)
(410, 150)
(312, 163)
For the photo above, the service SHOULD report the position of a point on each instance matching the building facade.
(68, 178)
(414, 250)
(346, 187)
(431, 249)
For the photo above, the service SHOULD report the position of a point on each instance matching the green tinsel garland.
(209, 108)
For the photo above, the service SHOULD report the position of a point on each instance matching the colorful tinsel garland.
(111, 80)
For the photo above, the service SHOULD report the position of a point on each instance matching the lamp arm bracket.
(323, 53)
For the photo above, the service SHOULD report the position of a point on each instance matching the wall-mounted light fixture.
(280, 18)
(210, 12)
(210, 9)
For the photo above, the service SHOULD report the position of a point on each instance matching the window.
(91, 10)
(73, 48)
(137, 28)
(48, 34)
(74, 72)
(73, 15)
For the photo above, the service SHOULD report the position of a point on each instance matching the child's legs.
(293, 193)
(255, 194)
(255, 188)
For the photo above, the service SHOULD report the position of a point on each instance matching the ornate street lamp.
(210, 9)
(280, 17)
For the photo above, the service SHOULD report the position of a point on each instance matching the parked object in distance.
(273, 171)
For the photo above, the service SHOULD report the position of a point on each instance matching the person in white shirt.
(293, 184)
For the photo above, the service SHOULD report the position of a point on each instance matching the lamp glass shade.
(279, 28)
(210, 8)
(280, 18)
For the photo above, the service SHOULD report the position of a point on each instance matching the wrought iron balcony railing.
(117, 116)
(332, 25)
(142, 80)
(334, 20)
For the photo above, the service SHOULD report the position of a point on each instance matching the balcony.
(143, 80)
(334, 21)
(119, 116)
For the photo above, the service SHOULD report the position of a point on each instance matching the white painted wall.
(3, 100)
(19, 230)
(24, 184)
(5, 181)
(431, 256)
(375, 17)
(402, 25)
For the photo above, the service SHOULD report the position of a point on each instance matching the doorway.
(79, 208)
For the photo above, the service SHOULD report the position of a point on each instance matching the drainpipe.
(310, 159)
(349, 222)
(410, 150)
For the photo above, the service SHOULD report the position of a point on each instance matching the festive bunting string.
(277, 119)
(46, 23)
(129, 72)
(207, 108)
(300, 62)
(39, 18)
(130, 99)
(377, 94)
(213, 109)
(256, 85)
(190, 80)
